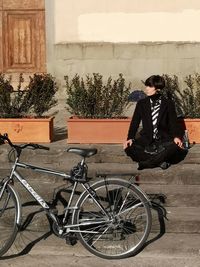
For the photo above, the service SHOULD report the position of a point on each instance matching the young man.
(160, 141)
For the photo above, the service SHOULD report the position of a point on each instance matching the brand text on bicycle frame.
(33, 193)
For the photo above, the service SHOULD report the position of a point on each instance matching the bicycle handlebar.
(36, 146)
(4, 138)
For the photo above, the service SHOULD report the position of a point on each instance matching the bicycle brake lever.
(37, 146)
(43, 147)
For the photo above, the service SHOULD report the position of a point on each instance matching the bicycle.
(111, 218)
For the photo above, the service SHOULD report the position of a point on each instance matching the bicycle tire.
(131, 219)
(9, 218)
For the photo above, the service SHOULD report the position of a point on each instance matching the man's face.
(150, 90)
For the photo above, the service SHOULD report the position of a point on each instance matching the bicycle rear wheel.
(124, 231)
(9, 217)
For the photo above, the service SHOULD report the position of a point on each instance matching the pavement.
(168, 251)
(172, 242)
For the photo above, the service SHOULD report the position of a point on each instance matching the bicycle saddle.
(84, 152)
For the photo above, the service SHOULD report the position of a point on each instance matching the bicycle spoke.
(8, 227)
(129, 223)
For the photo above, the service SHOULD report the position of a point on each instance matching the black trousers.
(172, 154)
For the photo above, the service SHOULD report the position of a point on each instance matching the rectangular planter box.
(25, 130)
(90, 131)
(114, 131)
(193, 128)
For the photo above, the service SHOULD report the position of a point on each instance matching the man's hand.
(178, 142)
(128, 143)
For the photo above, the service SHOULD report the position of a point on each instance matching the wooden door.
(22, 36)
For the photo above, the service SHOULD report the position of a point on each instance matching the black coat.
(167, 123)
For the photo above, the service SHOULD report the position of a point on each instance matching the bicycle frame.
(111, 217)
(43, 203)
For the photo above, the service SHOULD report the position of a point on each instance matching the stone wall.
(135, 61)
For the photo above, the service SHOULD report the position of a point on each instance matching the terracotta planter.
(37, 130)
(90, 131)
(193, 128)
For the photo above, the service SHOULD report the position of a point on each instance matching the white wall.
(126, 20)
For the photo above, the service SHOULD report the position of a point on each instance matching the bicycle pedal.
(71, 240)
(159, 197)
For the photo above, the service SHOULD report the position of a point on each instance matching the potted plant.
(22, 110)
(187, 103)
(98, 109)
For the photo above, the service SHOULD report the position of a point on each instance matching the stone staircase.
(180, 184)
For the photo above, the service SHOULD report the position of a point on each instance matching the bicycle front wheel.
(9, 215)
(116, 223)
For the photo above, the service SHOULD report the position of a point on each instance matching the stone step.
(171, 250)
(58, 157)
(179, 220)
(180, 189)
(176, 174)
(182, 218)
(110, 159)
(168, 245)
(174, 195)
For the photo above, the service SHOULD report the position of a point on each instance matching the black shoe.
(164, 165)
(140, 166)
(71, 239)
(147, 164)
(143, 165)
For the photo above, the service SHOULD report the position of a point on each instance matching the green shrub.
(191, 96)
(187, 100)
(33, 100)
(172, 90)
(41, 93)
(91, 98)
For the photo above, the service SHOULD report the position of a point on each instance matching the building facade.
(137, 38)
(134, 37)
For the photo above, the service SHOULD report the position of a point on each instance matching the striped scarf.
(155, 108)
